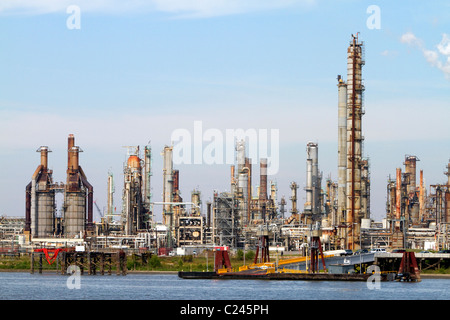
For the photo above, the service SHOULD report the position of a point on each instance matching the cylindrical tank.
(74, 217)
(46, 214)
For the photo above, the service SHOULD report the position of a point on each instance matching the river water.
(49, 286)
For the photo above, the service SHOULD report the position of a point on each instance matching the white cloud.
(439, 58)
(181, 8)
(389, 53)
(411, 39)
(444, 46)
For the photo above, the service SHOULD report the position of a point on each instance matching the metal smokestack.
(263, 180)
(70, 144)
(398, 198)
(44, 150)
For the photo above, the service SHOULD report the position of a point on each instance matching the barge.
(263, 275)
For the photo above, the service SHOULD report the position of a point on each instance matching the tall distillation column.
(447, 194)
(413, 208)
(110, 197)
(147, 173)
(294, 199)
(313, 183)
(342, 151)
(135, 209)
(355, 91)
(167, 186)
(263, 189)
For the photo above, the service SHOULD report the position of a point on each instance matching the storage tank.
(134, 162)
(45, 213)
(75, 212)
(40, 202)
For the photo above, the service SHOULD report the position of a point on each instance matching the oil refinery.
(336, 214)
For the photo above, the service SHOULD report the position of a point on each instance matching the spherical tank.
(134, 162)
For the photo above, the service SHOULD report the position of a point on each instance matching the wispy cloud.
(438, 58)
(411, 39)
(206, 8)
(177, 8)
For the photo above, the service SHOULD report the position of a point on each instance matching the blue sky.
(136, 71)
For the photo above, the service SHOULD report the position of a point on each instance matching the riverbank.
(166, 265)
(422, 275)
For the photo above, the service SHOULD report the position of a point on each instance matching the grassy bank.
(155, 263)
(201, 262)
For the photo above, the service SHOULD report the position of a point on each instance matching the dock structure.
(102, 262)
(386, 261)
(404, 266)
(91, 262)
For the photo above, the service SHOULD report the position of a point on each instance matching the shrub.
(250, 255)
(155, 262)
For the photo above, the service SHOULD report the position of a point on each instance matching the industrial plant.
(250, 216)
